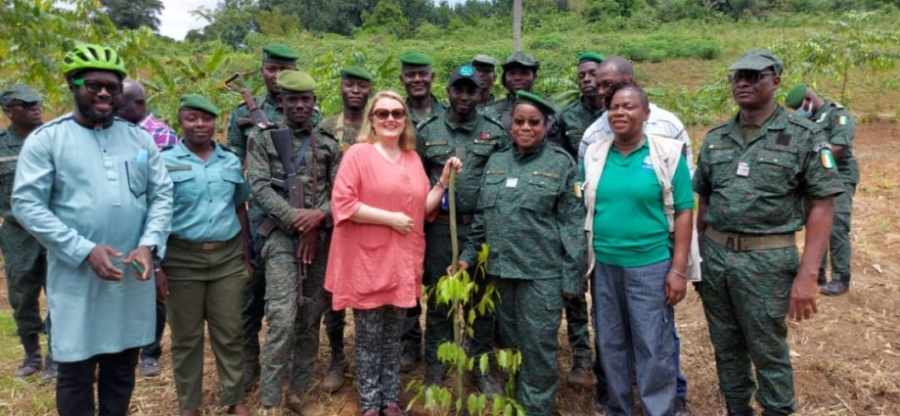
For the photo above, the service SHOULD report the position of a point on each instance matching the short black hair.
(626, 85)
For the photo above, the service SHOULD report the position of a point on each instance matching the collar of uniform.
(12, 134)
(181, 150)
(467, 126)
(593, 113)
(823, 110)
(435, 103)
(530, 153)
(775, 122)
(741, 123)
(270, 100)
(298, 130)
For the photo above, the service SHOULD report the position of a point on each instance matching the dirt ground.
(846, 360)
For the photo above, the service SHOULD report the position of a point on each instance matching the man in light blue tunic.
(91, 187)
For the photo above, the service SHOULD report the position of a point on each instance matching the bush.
(548, 42)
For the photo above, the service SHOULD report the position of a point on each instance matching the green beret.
(758, 60)
(198, 102)
(18, 92)
(590, 56)
(415, 59)
(295, 81)
(530, 98)
(521, 59)
(356, 72)
(795, 96)
(484, 60)
(279, 54)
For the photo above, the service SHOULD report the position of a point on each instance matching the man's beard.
(86, 109)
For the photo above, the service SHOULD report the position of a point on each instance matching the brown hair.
(367, 131)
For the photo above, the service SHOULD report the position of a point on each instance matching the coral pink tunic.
(372, 265)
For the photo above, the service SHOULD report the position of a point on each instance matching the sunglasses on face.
(752, 77)
(113, 88)
(382, 114)
(26, 106)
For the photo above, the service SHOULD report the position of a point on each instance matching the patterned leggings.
(378, 333)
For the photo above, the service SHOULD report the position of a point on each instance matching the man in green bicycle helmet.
(91, 187)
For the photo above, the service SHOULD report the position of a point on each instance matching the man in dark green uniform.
(356, 86)
(26, 260)
(487, 70)
(417, 77)
(577, 117)
(753, 175)
(519, 74)
(839, 127)
(463, 132)
(276, 58)
(294, 236)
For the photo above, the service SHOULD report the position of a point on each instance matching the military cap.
(590, 56)
(295, 81)
(415, 59)
(279, 54)
(758, 60)
(356, 72)
(796, 96)
(198, 102)
(484, 60)
(465, 73)
(530, 98)
(18, 92)
(521, 59)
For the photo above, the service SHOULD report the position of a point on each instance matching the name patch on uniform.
(553, 175)
(784, 139)
(512, 182)
(436, 143)
(9, 159)
(174, 168)
(647, 164)
(743, 169)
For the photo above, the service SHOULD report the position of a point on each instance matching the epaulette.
(493, 121)
(226, 148)
(803, 122)
(560, 150)
(839, 105)
(169, 147)
(423, 123)
(324, 133)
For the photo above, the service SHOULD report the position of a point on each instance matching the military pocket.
(541, 193)
(227, 187)
(182, 181)
(137, 178)
(438, 151)
(775, 170)
(490, 191)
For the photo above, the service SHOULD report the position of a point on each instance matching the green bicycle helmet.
(88, 56)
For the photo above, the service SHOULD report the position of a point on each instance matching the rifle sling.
(300, 160)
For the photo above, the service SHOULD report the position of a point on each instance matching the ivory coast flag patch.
(827, 158)
(842, 120)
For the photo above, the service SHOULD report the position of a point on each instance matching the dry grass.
(846, 360)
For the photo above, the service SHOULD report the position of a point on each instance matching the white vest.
(665, 154)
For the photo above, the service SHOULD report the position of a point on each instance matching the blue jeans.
(634, 330)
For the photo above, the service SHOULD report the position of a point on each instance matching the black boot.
(838, 286)
(486, 383)
(739, 409)
(32, 362)
(50, 369)
(821, 280)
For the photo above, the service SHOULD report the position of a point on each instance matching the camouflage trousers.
(577, 327)
(253, 307)
(378, 333)
(528, 316)
(839, 247)
(26, 277)
(745, 298)
(292, 341)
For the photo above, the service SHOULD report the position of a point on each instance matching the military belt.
(743, 242)
(187, 245)
(461, 219)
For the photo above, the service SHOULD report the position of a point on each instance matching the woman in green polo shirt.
(641, 253)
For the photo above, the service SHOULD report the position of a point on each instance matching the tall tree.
(132, 14)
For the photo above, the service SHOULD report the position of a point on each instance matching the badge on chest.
(512, 182)
(743, 169)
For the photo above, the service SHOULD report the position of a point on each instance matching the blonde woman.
(380, 200)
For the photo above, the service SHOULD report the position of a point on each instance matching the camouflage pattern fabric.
(378, 350)
(501, 111)
(577, 117)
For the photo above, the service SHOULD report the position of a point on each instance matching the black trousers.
(115, 383)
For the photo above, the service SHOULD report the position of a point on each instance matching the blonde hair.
(367, 131)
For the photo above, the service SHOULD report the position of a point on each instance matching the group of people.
(301, 218)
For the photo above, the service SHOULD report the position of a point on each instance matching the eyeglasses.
(25, 106)
(113, 88)
(382, 114)
(752, 77)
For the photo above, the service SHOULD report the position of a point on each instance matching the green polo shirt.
(630, 226)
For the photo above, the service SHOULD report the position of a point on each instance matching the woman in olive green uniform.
(207, 264)
(532, 219)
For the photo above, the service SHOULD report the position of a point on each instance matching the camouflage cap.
(758, 60)
(356, 72)
(18, 92)
(295, 81)
(280, 54)
(198, 102)
(465, 73)
(415, 59)
(521, 59)
(484, 60)
(541, 104)
(590, 56)
(796, 96)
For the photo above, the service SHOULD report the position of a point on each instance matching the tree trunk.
(517, 25)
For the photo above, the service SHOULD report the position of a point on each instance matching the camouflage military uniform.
(757, 188)
(576, 117)
(437, 141)
(254, 303)
(533, 224)
(438, 108)
(840, 127)
(345, 133)
(501, 111)
(26, 260)
(292, 341)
